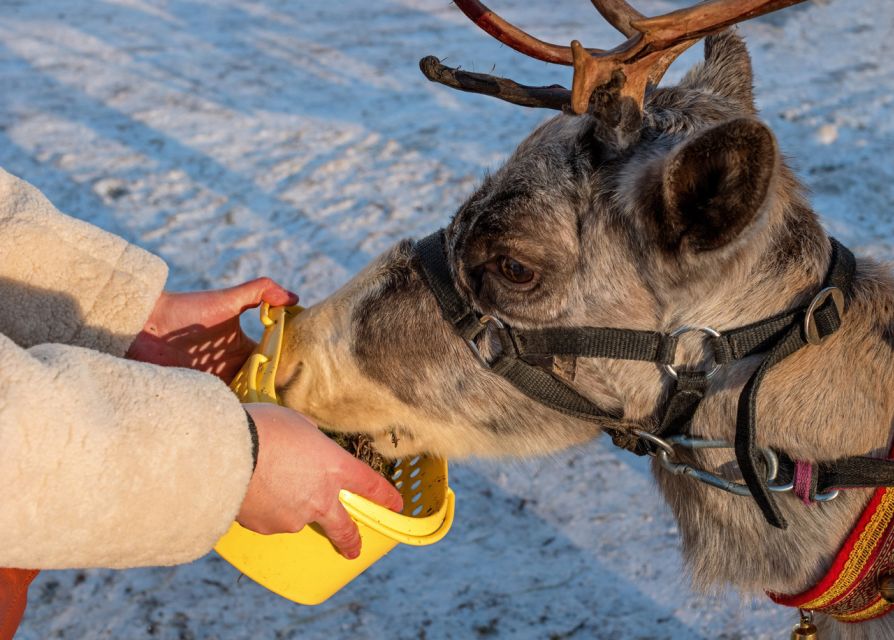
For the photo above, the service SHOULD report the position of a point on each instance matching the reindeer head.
(647, 211)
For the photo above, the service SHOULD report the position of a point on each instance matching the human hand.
(298, 476)
(200, 330)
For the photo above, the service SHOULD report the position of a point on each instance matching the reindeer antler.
(652, 45)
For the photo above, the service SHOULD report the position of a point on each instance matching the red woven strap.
(13, 598)
(848, 591)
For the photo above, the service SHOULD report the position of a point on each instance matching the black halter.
(776, 337)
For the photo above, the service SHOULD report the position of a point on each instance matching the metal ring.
(772, 461)
(658, 442)
(782, 488)
(811, 333)
(827, 497)
(473, 346)
(669, 368)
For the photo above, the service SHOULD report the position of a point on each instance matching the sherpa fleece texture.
(104, 462)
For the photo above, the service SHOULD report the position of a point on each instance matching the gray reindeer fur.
(696, 221)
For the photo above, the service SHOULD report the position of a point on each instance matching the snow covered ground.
(298, 139)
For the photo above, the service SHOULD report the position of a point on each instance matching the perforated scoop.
(304, 567)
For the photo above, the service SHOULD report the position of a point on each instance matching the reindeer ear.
(715, 184)
(726, 70)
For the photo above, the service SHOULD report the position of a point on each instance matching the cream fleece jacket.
(104, 462)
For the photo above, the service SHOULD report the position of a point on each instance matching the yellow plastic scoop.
(304, 567)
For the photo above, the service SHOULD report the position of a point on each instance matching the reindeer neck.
(822, 403)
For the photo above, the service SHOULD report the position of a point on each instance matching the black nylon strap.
(842, 269)
(850, 473)
(688, 393)
(748, 457)
(841, 272)
(431, 251)
(601, 342)
(548, 390)
(844, 473)
(760, 337)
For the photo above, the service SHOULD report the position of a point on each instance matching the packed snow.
(238, 138)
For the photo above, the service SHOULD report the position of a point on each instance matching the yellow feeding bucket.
(304, 566)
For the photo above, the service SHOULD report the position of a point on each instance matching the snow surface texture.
(298, 139)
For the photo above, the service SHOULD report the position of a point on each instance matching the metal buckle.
(473, 346)
(811, 333)
(669, 368)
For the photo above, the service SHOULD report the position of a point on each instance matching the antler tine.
(619, 14)
(554, 97)
(512, 36)
(693, 23)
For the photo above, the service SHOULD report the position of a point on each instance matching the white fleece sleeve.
(63, 280)
(106, 462)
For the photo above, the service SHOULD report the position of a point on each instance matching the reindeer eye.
(514, 271)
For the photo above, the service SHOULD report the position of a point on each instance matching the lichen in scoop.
(361, 447)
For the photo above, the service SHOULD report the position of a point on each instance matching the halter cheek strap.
(518, 348)
(774, 339)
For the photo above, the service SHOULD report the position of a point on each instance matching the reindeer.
(646, 209)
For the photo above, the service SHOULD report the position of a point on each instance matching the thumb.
(362, 480)
(252, 293)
